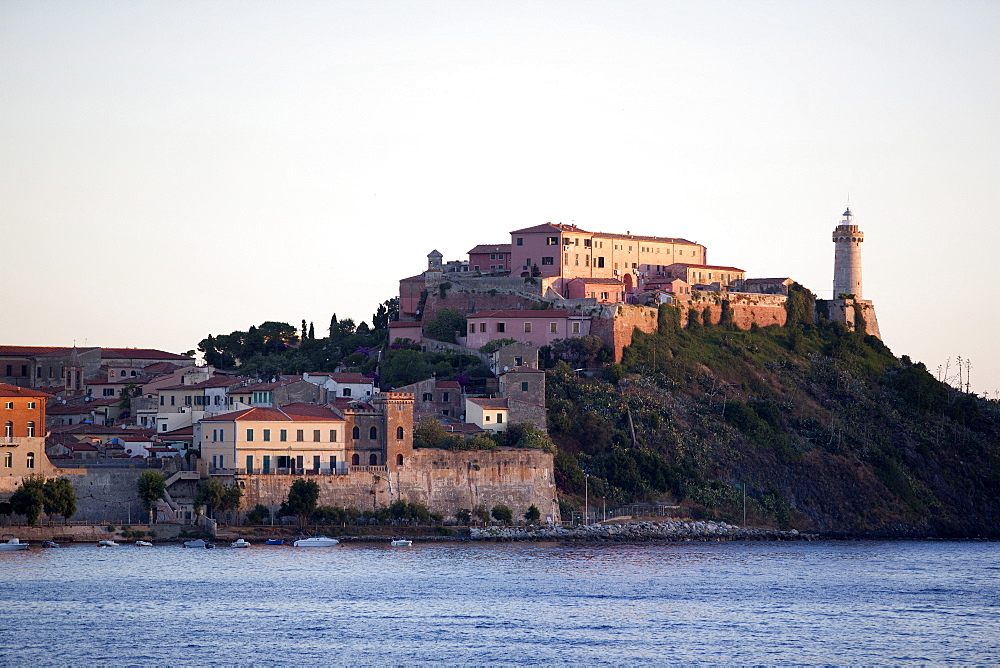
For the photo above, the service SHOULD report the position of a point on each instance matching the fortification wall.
(443, 480)
(747, 308)
(845, 311)
(616, 330)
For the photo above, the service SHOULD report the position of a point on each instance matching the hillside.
(826, 428)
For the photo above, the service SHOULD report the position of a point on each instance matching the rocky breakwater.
(635, 532)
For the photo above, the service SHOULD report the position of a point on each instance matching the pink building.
(539, 328)
(490, 258)
(604, 290)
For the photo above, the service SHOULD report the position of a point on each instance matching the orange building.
(22, 441)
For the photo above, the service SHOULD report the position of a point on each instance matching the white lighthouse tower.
(848, 238)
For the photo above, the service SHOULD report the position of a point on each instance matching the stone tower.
(847, 258)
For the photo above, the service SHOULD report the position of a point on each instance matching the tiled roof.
(351, 377)
(183, 431)
(160, 367)
(30, 351)
(547, 314)
(598, 281)
(223, 381)
(490, 248)
(289, 413)
(573, 229)
(490, 403)
(140, 353)
(405, 323)
(706, 266)
(10, 391)
(448, 385)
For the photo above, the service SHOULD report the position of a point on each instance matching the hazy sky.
(174, 169)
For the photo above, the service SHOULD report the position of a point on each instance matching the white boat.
(106, 543)
(198, 542)
(13, 544)
(316, 541)
(239, 542)
(143, 543)
(402, 542)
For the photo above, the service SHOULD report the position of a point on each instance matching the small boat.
(49, 543)
(198, 542)
(401, 542)
(13, 544)
(316, 541)
(274, 541)
(106, 543)
(143, 543)
(239, 542)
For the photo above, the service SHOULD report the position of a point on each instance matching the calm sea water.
(459, 603)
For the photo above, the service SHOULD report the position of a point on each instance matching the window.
(482, 327)
(444, 396)
(9, 405)
(8, 429)
(487, 417)
(316, 435)
(347, 392)
(587, 243)
(266, 465)
(548, 260)
(299, 436)
(472, 328)
(501, 327)
(31, 404)
(553, 328)
(499, 418)
(30, 462)
(527, 328)
(8, 460)
(524, 387)
(373, 460)
(108, 392)
(399, 433)
(576, 328)
(172, 397)
(187, 400)
(520, 242)
(31, 429)
(399, 460)
(427, 396)
(356, 433)
(267, 434)
(355, 459)
(372, 434)
(249, 434)
(551, 241)
(333, 435)
(283, 435)
(249, 463)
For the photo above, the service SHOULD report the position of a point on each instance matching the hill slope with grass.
(824, 428)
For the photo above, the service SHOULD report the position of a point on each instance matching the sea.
(748, 603)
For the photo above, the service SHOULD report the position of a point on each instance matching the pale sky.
(174, 169)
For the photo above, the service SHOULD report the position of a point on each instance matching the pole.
(586, 496)
(744, 505)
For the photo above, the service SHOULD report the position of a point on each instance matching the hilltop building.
(848, 305)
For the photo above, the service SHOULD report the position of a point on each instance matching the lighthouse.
(848, 238)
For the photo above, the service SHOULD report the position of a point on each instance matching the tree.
(151, 486)
(303, 496)
(480, 513)
(29, 498)
(502, 513)
(429, 433)
(446, 324)
(60, 499)
(258, 515)
(532, 515)
(215, 496)
(464, 516)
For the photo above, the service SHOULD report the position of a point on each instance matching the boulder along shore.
(667, 530)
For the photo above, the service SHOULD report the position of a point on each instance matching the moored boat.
(107, 543)
(402, 542)
(198, 542)
(274, 541)
(239, 542)
(316, 541)
(143, 543)
(13, 544)
(49, 543)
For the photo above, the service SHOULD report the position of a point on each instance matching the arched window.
(122, 373)
(373, 434)
(31, 429)
(356, 459)
(399, 460)
(133, 372)
(356, 433)
(30, 463)
(399, 433)
(373, 460)
(8, 428)
(8, 460)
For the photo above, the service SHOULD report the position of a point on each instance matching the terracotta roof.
(162, 448)
(30, 351)
(140, 353)
(491, 248)
(183, 431)
(490, 403)
(464, 428)
(765, 280)
(448, 385)
(548, 227)
(160, 367)
(598, 281)
(573, 229)
(351, 377)
(10, 391)
(552, 313)
(289, 413)
(224, 381)
(405, 323)
(706, 266)
(80, 446)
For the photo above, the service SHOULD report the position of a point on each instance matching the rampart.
(748, 308)
(443, 480)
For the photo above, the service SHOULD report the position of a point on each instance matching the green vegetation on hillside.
(825, 428)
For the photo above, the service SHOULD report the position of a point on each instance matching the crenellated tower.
(848, 238)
